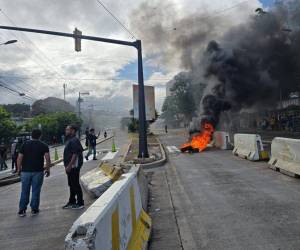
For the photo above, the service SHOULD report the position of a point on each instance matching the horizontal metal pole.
(55, 33)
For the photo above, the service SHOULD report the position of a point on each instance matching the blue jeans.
(34, 181)
(92, 150)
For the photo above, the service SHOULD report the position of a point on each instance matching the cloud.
(43, 67)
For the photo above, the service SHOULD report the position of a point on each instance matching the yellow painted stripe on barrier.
(141, 233)
(115, 232)
(141, 228)
(112, 172)
(132, 205)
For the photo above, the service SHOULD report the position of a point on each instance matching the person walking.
(166, 129)
(92, 138)
(87, 132)
(14, 155)
(73, 161)
(105, 134)
(3, 151)
(31, 167)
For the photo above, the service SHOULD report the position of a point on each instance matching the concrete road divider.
(116, 220)
(249, 146)
(285, 156)
(113, 172)
(222, 140)
(98, 180)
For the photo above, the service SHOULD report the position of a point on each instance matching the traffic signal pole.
(143, 147)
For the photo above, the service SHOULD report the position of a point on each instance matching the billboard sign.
(149, 102)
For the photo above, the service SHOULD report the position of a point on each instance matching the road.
(49, 228)
(214, 200)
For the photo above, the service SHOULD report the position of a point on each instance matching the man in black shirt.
(73, 160)
(92, 138)
(30, 165)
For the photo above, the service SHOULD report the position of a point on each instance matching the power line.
(49, 63)
(83, 79)
(4, 85)
(116, 19)
(225, 10)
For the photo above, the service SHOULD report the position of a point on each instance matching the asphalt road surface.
(219, 201)
(49, 228)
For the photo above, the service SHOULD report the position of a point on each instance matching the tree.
(18, 109)
(51, 105)
(8, 128)
(184, 98)
(53, 124)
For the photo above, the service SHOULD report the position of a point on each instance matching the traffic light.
(77, 32)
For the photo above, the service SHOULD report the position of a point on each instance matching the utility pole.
(90, 115)
(64, 86)
(77, 36)
(79, 106)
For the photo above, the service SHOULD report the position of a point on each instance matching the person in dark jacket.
(87, 132)
(3, 152)
(73, 161)
(92, 144)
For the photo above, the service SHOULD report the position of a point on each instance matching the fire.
(199, 142)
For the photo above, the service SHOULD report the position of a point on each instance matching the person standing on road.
(105, 134)
(92, 138)
(31, 167)
(166, 129)
(73, 161)
(3, 151)
(87, 132)
(14, 155)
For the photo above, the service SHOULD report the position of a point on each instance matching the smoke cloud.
(245, 65)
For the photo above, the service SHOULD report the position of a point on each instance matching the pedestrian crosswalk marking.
(173, 149)
(109, 156)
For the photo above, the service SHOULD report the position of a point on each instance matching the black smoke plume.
(251, 65)
(259, 64)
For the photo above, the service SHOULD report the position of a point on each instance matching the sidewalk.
(165, 230)
(49, 228)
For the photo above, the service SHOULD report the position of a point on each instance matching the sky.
(39, 65)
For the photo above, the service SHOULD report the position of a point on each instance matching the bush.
(8, 128)
(54, 124)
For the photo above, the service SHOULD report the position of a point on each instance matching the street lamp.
(9, 42)
(79, 106)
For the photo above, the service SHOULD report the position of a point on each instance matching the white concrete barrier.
(222, 140)
(249, 146)
(115, 221)
(285, 155)
(95, 182)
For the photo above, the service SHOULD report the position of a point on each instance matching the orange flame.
(199, 142)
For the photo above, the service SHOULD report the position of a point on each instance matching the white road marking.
(173, 149)
(109, 156)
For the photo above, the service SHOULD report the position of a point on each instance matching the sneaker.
(95, 159)
(68, 205)
(35, 212)
(78, 206)
(87, 158)
(22, 213)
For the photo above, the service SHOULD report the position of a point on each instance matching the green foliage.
(133, 126)
(53, 124)
(8, 128)
(51, 105)
(184, 100)
(18, 109)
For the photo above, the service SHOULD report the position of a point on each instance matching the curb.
(9, 180)
(158, 163)
(154, 164)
